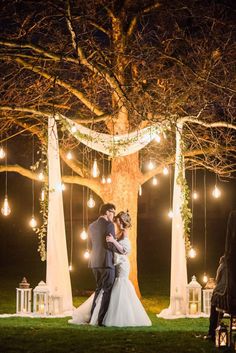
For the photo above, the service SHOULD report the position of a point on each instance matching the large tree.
(119, 66)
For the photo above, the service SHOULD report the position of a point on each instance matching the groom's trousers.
(105, 278)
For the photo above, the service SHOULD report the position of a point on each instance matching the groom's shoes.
(101, 324)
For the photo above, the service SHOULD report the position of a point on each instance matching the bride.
(125, 308)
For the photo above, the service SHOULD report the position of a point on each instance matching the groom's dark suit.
(102, 261)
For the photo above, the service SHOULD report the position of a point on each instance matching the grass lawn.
(56, 335)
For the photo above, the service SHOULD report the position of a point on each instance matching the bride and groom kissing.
(114, 302)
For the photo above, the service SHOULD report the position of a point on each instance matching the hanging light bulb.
(170, 214)
(150, 165)
(158, 138)
(165, 171)
(69, 155)
(42, 195)
(2, 153)
(70, 268)
(205, 278)
(95, 169)
(109, 180)
(216, 193)
(91, 202)
(74, 128)
(103, 180)
(63, 187)
(41, 176)
(154, 181)
(33, 222)
(195, 195)
(83, 234)
(192, 253)
(86, 254)
(5, 208)
(140, 190)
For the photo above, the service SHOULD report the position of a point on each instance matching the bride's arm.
(112, 240)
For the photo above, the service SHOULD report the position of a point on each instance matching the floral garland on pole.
(42, 230)
(185, 211)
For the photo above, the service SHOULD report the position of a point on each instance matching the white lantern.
(194, 297)
(55, 304)
(23, 298)
(41, 299)
(207, 294)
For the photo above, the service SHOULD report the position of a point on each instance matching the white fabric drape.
(113, 145)
(178, 281)
(57, 276)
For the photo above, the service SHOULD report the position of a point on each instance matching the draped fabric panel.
(178, 280)
(57, 273)
(113, 145)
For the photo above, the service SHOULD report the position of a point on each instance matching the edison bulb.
(109, 180)
(74, 128)
(192, 253)
(158, 138)
(103, 180)
(33, 222)
(170, 214)
(69, 155)
(95, 169)
(195, 195)
(165, 171)
(2, 153)
(41, 176)
(70, 268)
(5, 208)
(83, 234)
(216, 193)
(86, 254)
(91, 202)
(154, 181)
(150, 165)
(205, 278)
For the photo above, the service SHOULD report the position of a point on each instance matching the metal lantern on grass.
(55, 304)
(41, 299)
(222, 336)
(207, 294)
(23, 297)
(194, 297)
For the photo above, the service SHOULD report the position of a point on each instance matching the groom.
(102, 256)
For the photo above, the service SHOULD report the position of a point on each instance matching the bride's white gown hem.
(125, 308)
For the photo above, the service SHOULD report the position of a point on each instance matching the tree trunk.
(123, 192)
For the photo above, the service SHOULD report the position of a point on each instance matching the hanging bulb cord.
(170, 189)
(71, 224)
(33, 179)
(205, 220)
(6, 171)
(192, 209)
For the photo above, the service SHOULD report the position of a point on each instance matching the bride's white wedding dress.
(125, 308)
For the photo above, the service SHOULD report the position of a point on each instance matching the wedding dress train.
(125, 308)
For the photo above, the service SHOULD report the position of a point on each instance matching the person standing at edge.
(102, 256)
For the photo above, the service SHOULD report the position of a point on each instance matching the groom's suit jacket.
(101, 252)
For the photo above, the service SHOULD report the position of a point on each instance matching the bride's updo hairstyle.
(124, 219)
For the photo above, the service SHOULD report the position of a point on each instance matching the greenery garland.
(185, 211)
(42, 230)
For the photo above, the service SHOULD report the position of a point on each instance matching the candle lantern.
(194, 297)
(23, 297)
(207, 294)
(41, 298)
(55, 304)
(222, 336)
